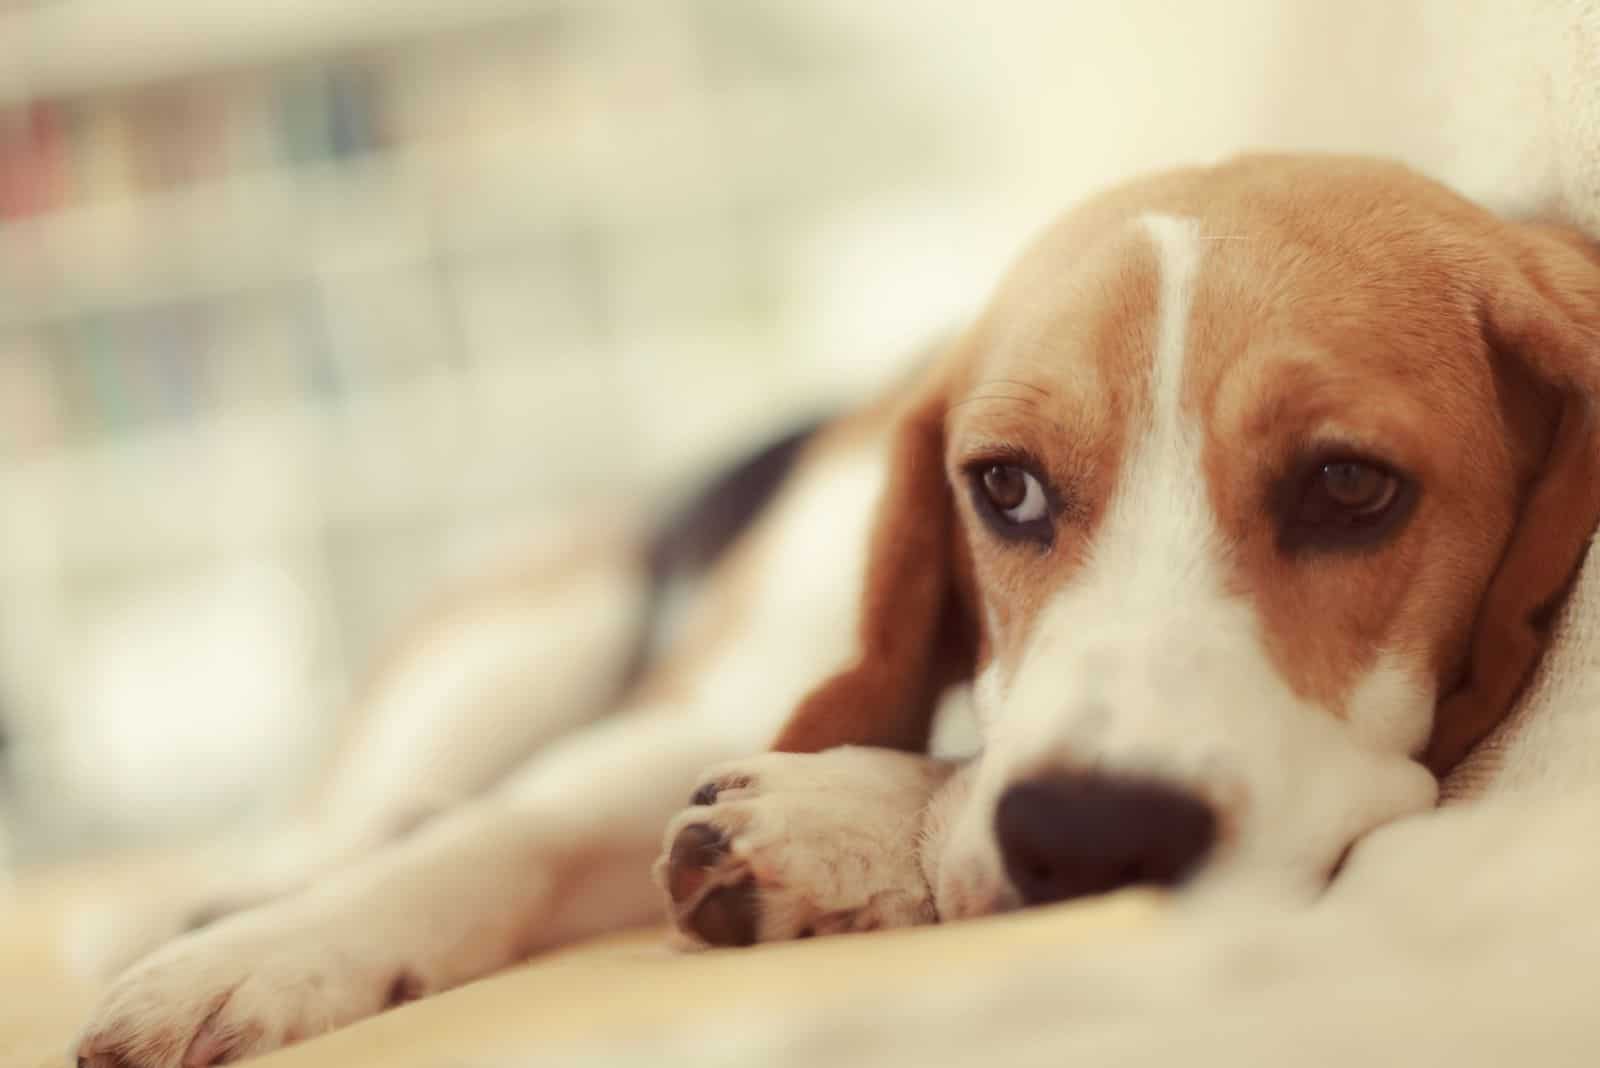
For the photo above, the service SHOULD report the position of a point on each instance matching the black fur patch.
(694, 536)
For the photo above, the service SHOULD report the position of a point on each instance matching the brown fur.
(1543, 306)
(905, 620)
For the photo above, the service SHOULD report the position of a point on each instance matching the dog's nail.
(208, 1048)
(216, 1044)
(203, 918)
(727, 916)
(708, 793)
(695, 850)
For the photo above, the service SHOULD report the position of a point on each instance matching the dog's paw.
(785, 846)
(243, 988)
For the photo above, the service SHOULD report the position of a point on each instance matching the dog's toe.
(696, 851)
(728, 915)
(712, 790)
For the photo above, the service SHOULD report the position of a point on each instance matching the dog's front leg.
(563, 851)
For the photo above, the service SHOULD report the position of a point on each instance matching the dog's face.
(1249, 469)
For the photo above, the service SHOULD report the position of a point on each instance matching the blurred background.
(305, 306)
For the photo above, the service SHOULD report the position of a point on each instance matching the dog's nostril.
(1070, 836)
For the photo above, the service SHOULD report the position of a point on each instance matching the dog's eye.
(1348, 492)
(1344, 502)
(1015, 494)
(1014, 501)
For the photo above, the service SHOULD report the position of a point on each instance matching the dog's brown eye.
(1006, 486)
(1013, 501)
(1014, 493)
(1342, 503)
(1351, 490)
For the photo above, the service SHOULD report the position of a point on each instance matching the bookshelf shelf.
(75, 46)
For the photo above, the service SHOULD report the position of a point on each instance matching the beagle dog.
(1240, 515)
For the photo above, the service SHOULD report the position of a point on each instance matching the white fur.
(1391, 708)
(831, 840)
(812, 579)
(491, 676)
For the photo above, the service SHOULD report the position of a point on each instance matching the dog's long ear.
(1541, 309)
(912, 636)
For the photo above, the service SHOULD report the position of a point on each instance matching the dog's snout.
(1069, 836)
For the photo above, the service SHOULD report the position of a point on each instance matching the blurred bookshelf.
(63, 47)
(305, 291)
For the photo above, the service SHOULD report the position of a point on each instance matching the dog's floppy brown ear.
(1541, 310)
(913, 643)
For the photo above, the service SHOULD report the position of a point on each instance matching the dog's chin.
(969, 891)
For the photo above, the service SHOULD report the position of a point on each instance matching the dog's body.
(1188, 510)
(541, 662)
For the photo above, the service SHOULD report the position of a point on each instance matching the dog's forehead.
(1076, 314)
(1316, 270)
(1075, 320)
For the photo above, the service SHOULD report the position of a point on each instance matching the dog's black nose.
(1072, 835)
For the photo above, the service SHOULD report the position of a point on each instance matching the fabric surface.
(630, 987)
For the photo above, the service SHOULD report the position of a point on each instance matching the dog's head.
(1245, 505)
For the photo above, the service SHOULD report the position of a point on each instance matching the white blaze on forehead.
(1159, 540)
(1178, 250)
